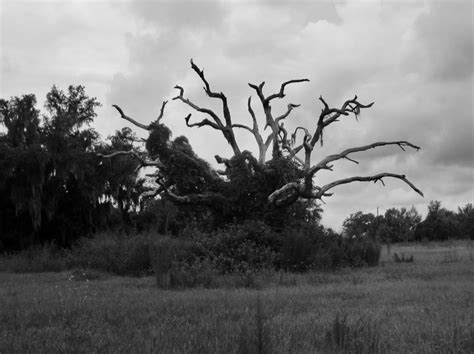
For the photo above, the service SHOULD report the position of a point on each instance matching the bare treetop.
(295, 148)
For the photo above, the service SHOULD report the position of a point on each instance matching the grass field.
(425, 306)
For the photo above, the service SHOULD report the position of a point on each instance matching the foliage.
(53, 186)
(465, 218)
(118, 254)
(401, 224)
(359, 224)
(440, 224)
(36, 259)
(405, 225)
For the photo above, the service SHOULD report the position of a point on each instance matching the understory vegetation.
(196, 258)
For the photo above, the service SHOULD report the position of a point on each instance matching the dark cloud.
(445, 33)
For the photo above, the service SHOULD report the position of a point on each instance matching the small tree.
(247, 186)
(401, 224)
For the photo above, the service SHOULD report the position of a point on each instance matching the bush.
(196, 258)
(298, 250)
(200, 273)
(45, 258)
(238, 248)
(361, 251)
(118, 254)
(319, 248)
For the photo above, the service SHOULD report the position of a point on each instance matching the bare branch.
(374, 178)
(222, 160)
(330, 115)
(287, 113)
(201, 123)
(210, 93)
(272, 122)
(281, 94)
(213, 200)
(242, 126)
(227, 128)
(207, 111)
(343, 155)
(143, 162)
(162, 111)
(131, 120)
(207, 87)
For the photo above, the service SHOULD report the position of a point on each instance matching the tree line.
(406, 225)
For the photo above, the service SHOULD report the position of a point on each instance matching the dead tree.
(274, 134)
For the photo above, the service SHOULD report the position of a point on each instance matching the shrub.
(361, 251)
(318, 248)
(173, 263)
(45, 258)
(298, 251)
(238, 248)
(200, 273)
(119, 254)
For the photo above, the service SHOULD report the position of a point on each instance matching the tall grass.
(382, 309)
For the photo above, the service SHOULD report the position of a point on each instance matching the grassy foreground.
(426, 306)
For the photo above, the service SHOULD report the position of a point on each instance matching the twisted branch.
(131, 120)
(374, 178)
(323, 164)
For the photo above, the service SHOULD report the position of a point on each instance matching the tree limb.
(272, 122)
(162, 111)
(281, 94)
(331, 115)
(143, 162)
(323, 164)
(213, 200)
(131, 120)
(374, 178)
(218, 122)
(227, 128)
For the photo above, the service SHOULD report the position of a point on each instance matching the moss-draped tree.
(266, 186)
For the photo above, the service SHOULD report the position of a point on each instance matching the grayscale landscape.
(210, 176)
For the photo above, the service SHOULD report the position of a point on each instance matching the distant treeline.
(405, 225)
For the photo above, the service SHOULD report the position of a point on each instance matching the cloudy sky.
(413, 58)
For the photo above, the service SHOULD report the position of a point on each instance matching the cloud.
(182, 14)
(444, 35)
(413, 58)
(387, 52)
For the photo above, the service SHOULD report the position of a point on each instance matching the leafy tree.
(359, 224)
(22, 164)
(465, 218)
(439, 224)
(52, 186)
(401, 224)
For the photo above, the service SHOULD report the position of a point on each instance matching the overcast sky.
(413, 58)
